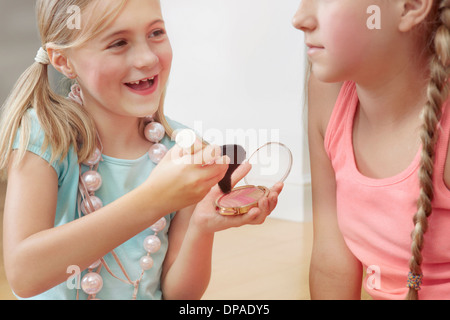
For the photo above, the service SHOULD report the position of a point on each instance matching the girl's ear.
(414, 13)
(60, 62)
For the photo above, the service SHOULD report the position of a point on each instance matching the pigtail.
(437, 93)
(161, 118)
(65, 124)
(13, 111)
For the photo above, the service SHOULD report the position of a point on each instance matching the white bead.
(92, 283)
(96, 203)
(185, 138)
(154, 132)
(159, 226)
(146, 263)
(157, 152)
(152, 244)
(92, 180)
(94, 158)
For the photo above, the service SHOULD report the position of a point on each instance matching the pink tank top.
(375, 215)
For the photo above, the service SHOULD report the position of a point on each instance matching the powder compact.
(271, 164)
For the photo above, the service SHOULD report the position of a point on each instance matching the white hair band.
(42, 57)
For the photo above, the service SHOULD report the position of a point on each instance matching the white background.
(238, 73)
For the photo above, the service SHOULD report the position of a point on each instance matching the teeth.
(137, 82)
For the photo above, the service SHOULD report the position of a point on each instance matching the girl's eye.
(118, 44)
(157, 33)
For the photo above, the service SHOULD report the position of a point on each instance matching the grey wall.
(19, 41)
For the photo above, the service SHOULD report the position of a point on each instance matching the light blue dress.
(119, 177)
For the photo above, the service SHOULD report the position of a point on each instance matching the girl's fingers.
(207, 156)
(240, 173)
(278, 187)
(256, 216)
(273, 200)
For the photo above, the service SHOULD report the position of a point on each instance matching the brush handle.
(237, 155)
(186, 139)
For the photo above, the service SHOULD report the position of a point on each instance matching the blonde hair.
(63, 121)
(437, 93)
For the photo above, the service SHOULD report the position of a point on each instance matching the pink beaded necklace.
(90, 182)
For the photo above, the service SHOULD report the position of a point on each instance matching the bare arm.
(37, 254)
(187, 267)
(335, 273)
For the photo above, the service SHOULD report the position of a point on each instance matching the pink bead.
(92, 283)
(159, 225)
(152, 244)
(146, 263)
(96, 203)
(94, 158)
(154, 132)
(157, 152)
(92, 180)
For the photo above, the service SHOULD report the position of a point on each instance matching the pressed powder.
(240, 200)
(243, 196)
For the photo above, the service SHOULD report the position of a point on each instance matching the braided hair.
(437, 92)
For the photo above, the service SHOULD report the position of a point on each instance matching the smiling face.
(123, 71)
(341, 46)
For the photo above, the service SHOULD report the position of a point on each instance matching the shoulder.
(175, 124)
(169, 140)
(322, 98)
(31, 137)
(36, 130)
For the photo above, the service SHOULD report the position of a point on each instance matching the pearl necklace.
(90, 182)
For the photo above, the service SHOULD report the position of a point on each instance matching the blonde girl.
(120, 58)
(379, 129)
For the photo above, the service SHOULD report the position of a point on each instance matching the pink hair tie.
(75, 94)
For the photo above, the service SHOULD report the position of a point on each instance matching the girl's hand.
(182, 179)
(206, 220)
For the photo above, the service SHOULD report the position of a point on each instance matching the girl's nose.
(305, 17)
(145, 57)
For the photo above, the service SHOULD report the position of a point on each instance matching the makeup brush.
(185, 138)
(237, 155)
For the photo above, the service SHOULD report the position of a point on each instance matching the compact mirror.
(271, 164)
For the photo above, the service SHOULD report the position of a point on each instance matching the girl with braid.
(379, 127)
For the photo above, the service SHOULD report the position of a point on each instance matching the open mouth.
(142, 85)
